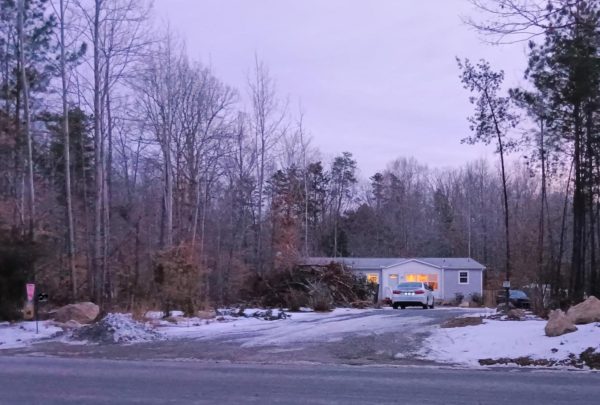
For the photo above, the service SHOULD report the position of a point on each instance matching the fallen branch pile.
(318, 287)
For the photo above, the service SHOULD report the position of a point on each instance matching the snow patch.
(509, 339)
(23, 334)
(160, 314)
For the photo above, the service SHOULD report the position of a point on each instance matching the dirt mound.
(116, 328)
(460, 322)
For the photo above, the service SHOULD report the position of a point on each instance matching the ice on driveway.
(304, 327)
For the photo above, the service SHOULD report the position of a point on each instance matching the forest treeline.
(131, 173)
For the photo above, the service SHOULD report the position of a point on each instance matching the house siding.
(409, 267)
(452, 285)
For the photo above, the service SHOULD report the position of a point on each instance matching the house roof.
(371, 263)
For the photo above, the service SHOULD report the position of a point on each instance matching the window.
(373, 278)
(463, 277)
(431, 279)
(392, 280)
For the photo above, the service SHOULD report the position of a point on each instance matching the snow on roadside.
(23, 334)
(506, 339)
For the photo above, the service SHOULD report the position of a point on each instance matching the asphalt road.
(45, 380)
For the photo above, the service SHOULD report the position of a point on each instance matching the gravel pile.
(116, 328)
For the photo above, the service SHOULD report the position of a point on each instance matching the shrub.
(177, 280)
(477, 298)
(458, 298)
(17, 257)
(295, 299)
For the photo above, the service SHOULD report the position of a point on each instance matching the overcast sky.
(377, 78)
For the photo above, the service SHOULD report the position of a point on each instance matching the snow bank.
(116, 328)
(23, 334)
(509, 339)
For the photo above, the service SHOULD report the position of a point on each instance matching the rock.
(558, 324)
(504, 308)
(516, 314)
(175, 319)
(206, 314)
(586, 312)
(67, 326)
(82, 312)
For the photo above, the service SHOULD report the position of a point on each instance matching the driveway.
(355, 337)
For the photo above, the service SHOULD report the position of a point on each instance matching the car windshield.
(410, 285)
(517, 294)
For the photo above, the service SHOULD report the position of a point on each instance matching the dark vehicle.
(517, 298)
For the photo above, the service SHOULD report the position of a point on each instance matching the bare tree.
(159, 102)
(67, 149)
(510, 21)
(267, 125)
(27, 118)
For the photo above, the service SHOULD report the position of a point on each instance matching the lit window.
(431, 279)
(373, 278)
(463, 277)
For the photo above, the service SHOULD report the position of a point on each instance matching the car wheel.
(402, 306)
(395, 305)
(425, 306)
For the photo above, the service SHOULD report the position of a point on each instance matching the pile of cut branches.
(318, 287)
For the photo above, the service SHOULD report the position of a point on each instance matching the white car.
(412, 294)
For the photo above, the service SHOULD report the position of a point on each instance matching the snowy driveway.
(347, 336)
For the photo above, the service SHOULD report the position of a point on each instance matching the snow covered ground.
(509, 339)
(23, 333)
(399, 333)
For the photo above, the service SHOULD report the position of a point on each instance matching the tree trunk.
(27, 120)
(67, 158)
(577, 260)
(106, 192)
(99, 163)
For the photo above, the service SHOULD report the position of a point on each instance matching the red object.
(30, 291)
(396, 292)
(419, 292)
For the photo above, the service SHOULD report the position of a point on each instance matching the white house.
(447, 276)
